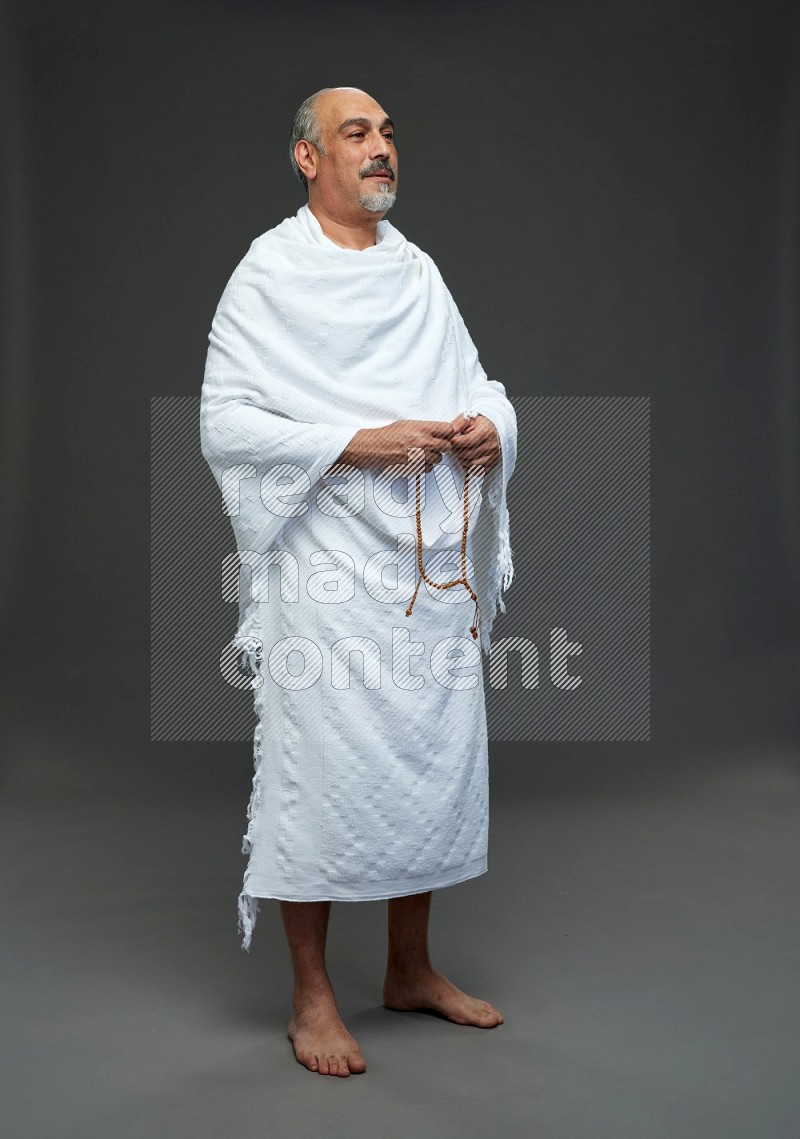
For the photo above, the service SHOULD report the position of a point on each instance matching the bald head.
(313, 115)
(307, 124)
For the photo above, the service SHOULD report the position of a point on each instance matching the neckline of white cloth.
(306, 215)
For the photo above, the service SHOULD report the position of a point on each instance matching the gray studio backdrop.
(610, 191)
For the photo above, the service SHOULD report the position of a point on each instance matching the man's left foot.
(428, 989)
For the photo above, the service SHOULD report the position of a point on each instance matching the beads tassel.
(458, 581)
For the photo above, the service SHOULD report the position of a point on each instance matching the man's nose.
(380, 148)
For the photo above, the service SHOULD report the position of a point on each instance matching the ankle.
(402, 968)
(312, 993)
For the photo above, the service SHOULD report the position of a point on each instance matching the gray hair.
(306, 126)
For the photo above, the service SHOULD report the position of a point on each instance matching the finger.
(474, 445)
(483, 433)
(479, 462)
(443, 430)
(416, 458)
(468, 447)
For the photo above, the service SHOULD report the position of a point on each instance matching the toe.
(333, 1065)
(356, 1062)
(323, 1065)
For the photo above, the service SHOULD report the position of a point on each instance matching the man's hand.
(389, 446)
(475, 441)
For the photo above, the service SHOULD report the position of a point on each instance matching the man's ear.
(306, 157)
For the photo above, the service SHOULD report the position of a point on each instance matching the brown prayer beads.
(460, 580)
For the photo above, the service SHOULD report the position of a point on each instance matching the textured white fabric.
(380, 788)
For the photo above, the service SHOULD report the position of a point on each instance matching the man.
(338, 371)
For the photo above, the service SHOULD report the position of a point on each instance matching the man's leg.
(412, 982)
(320, 1039)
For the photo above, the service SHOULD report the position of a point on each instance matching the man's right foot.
(321, 1041)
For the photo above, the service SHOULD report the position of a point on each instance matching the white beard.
(378, 200)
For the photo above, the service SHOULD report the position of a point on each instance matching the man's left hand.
(475, 442)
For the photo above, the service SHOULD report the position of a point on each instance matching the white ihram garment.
(379, 788)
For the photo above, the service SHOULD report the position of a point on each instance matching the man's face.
(358, 172)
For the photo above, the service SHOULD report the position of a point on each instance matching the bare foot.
(428, 989)
(321, 1041)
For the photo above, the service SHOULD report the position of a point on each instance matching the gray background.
(610, 191)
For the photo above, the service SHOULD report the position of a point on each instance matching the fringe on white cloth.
(499, 555)
(250, 646)
(247, 916)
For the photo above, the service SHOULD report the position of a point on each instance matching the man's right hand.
(389, 446)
